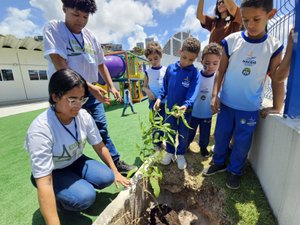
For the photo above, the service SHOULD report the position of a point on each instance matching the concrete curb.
(130, 203)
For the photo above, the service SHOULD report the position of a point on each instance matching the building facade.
(23, 70)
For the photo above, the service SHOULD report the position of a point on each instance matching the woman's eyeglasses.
(76, 101)
(220, 2)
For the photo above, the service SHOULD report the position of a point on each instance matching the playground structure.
(125, 66)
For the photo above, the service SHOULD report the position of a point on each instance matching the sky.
(116, 21)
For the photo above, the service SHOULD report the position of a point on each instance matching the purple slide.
(115, 65)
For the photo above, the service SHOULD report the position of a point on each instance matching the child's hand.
(291, 36)
(290, 43)
(267, 111)
(182, 108)
(156, 105)
(178, 111)
(215, 104)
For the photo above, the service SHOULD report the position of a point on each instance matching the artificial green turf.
(18, 198)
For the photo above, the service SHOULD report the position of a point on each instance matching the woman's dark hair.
(266, 5)
(63, 81)
(218, 15)
(88, 6)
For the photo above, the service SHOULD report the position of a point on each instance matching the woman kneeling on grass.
(65, 178)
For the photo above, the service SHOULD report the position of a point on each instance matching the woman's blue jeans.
(96, 109)
(74, 186)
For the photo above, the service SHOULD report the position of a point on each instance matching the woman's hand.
(119, 179)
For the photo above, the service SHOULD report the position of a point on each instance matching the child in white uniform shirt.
(202, 113)
(153, 82)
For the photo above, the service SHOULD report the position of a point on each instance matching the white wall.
(22, 88)
(275, 158)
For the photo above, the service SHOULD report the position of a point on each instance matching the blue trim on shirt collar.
(207, 76)
(254, 41)
(225, 45)
(277, 51)
(156, 68)
(178, 67)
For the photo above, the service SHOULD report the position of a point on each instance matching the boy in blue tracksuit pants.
(202, 113)
(248, 56)
(179, 86)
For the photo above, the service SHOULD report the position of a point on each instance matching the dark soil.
(186, 199)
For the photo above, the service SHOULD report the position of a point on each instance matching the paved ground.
(20, 108)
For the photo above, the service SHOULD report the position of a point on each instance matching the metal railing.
(279, 26)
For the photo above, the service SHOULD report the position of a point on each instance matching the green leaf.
(185, 122)
(155, 186)
(131, 172)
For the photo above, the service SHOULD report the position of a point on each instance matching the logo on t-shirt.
(186, 83)
(250, 60)
(246, 71)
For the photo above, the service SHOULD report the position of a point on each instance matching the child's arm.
(200, 14)
(279, 72)
(163, 91)
(147, 90)
(215, 101)
(280, 69)
(278, 90)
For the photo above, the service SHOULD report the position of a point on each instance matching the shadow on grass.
(76, 218)
(102, 200)
(138, 161)
(113, 106)
(247, 205)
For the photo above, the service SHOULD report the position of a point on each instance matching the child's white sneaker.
(181, 162)
(167, 159)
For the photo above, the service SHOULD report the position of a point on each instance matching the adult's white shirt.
(82, 51)
(51, 146)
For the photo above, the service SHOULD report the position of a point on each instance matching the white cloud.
(167, 6)
(113, 21)
(117, 19)
(18, 23)
(138, 36)
(51, 9)
(190, 22)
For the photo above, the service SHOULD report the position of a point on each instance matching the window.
(6, 75)
(43, 75)
(37, 74)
